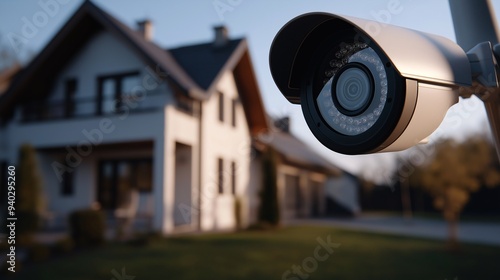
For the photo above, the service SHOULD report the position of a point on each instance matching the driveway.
(474, 232)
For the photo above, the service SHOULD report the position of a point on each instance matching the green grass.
(473, 218)
(268, 254)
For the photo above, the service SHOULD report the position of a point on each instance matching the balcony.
(91, 107)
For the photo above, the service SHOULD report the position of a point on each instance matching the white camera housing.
(364, 86)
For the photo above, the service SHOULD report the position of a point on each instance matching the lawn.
(269, 254)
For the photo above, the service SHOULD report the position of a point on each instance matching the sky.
(178, 23)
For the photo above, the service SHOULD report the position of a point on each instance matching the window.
(119, 178)
(67, 185)
(233, 177)
(115, 91)
(108, 91)
(128, 83)
(69, 97)
(185, 104)
(220, 182)
(233, 112)
(221, 107)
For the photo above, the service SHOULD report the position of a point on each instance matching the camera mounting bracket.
(485, 84)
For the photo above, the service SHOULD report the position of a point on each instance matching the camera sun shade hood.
(415, 55)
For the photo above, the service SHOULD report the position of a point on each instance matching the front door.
(118, 178)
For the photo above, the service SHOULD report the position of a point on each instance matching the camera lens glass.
(355, 90)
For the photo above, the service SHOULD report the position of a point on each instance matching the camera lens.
(354, 92)
(353, 89)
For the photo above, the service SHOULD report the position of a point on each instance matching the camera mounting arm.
(485, 85)
(475, 27)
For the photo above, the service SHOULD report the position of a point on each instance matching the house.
(120, 124)
(308, 185)
(109, 111)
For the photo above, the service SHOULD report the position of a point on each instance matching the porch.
(127, 181)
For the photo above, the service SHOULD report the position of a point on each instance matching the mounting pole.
(474, 22)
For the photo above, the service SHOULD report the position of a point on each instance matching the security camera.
(364, 86)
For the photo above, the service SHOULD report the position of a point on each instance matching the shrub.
(87, 227)
(269, 207)
(238, 208)
(30, 201)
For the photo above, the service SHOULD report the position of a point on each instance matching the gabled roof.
(204, 62)
(296, 152)
(181, 70)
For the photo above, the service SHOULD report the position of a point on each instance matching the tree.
(8, 57)
(269, 207)
(30, 200)
(454, 172)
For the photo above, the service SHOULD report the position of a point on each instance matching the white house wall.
(58, 205)
(179, 128)
(103, 55)
(222, 140)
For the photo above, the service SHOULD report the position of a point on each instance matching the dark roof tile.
(203, 62)
(296, 151)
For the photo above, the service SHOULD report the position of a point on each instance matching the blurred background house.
(308, 185)
(162, 138)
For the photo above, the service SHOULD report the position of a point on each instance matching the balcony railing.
(91, 107)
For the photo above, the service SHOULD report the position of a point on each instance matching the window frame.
(67, 185)
(233, 178)
(70, 90)
(117, 78)
(234, 106)
(220, 175)
(221, 108)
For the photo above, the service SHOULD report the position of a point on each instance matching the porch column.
(158, 182)
(280, 184)
(168, 197)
